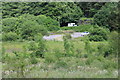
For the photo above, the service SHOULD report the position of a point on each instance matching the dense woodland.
(26, 54)
(66, 12)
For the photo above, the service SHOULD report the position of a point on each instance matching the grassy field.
(51, 45)
(74, 68)
(66, 67)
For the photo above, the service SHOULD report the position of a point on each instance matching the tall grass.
(56, 65)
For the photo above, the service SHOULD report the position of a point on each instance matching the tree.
(10, 36)
(39, 47)
(14, 9)
(98, 34)
(68, 46)
(108, 16)
(62, 11)
(28, 25)
(9, 24)
(48, 22)
(29, 28)
(90, 9)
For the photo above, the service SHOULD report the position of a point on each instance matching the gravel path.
(59, 37)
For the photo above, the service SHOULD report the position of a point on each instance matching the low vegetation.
(71, 58)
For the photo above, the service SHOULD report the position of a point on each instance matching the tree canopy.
(62, 12)
(108, 16)
(28, 25)
(104, 14)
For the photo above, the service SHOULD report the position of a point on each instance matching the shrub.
(32, 46)
(38, 47)
(85, 55)
(28, 25)
(10, 36)
(58, 53)
(80, 63)
(50, 58)
(68, 46)
(61, 64)
(78, 53)
(9, 24)
(27, 17)
(101, 49)
(17, 62)
(53, 56)
(67, 36)
(30, 28)
(33, 59)
(98, 34)
(114, 42)
(88, 47)
(48, 22)
(108, 52)
(96, 38)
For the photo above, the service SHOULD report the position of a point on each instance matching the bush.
(32, 46)
(114, 42)
(30, 28)
(108, 52)
(58, 53)
(17, 62)
(88, 47)
(98, 34)
(68, 46)
(67, 36)
(101, 49)
(28, 25)
(61, 64)
(33, 59)
(96, 38)
(39, 46)
(78, 53)
(50, 58)
(9, 24)
(48, 22)
(10, 36)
